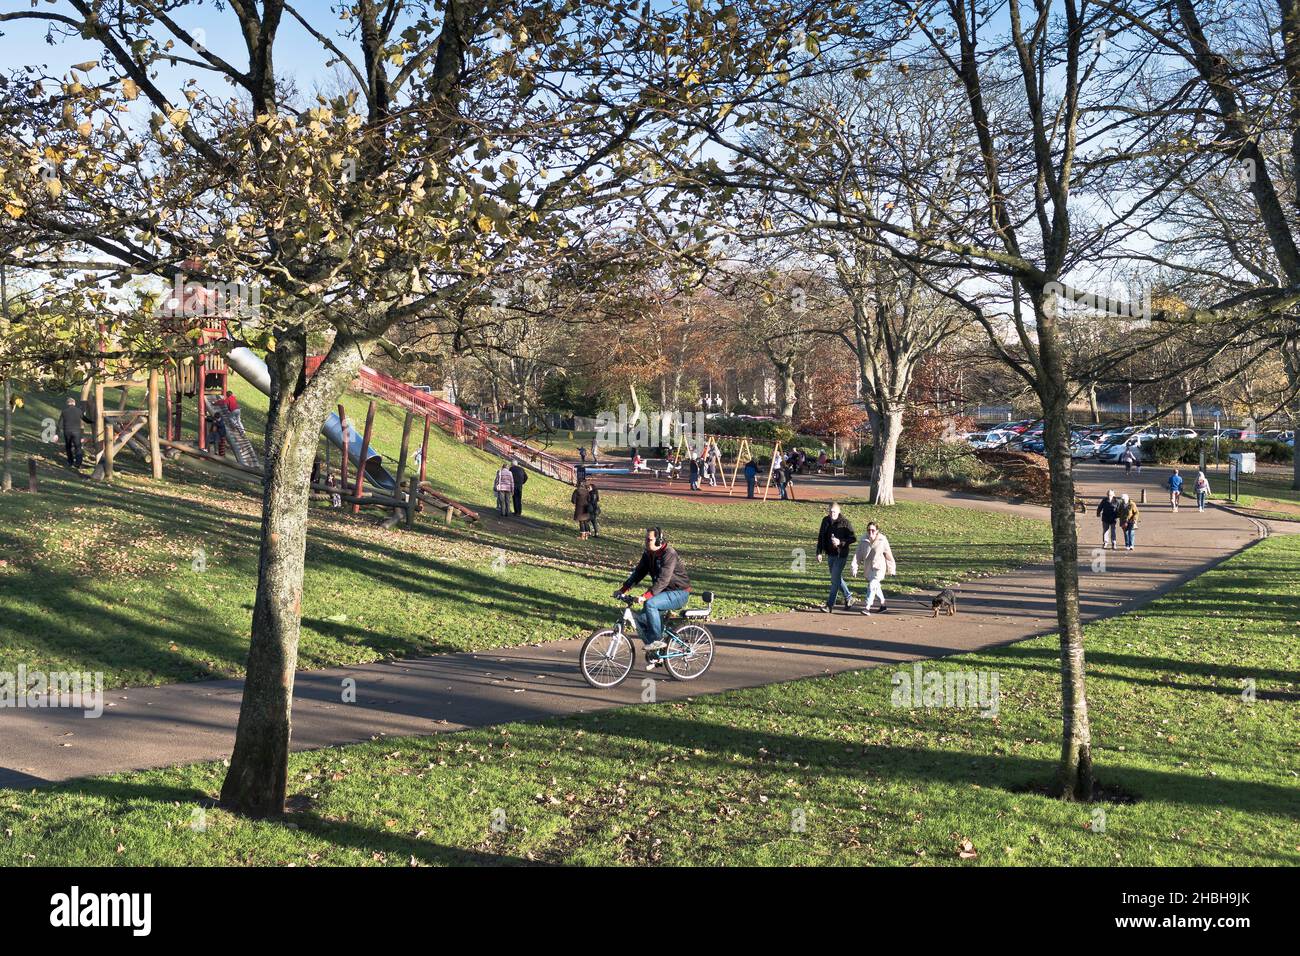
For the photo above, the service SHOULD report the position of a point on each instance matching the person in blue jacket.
(1175, 489)
(751, 475)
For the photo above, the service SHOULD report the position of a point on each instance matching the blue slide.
(253, 370)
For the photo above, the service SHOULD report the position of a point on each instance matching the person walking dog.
(834, 538)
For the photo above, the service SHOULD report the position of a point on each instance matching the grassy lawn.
(820, 771)
(154, 582)
(1268, 492)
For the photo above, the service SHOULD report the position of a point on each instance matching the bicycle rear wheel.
(691, 654)
(606, 658)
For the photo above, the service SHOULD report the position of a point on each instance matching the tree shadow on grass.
(721, 744)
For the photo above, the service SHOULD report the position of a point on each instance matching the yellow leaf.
(130, 88)
(54, 187)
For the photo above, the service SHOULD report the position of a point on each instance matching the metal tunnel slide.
(253, 370)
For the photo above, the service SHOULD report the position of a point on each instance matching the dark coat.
(665, 569)
(520, 477)
(581, 498)
(841, 529)
(70, 421)
(1107, 510)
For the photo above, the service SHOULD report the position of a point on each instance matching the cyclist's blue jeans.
(837, 580)
(652, 628)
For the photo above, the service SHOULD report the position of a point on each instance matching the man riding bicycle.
(669, 586)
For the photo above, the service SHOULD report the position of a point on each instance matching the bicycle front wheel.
(690, 655)
(606, 658)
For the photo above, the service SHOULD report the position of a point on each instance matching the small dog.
(945, 601)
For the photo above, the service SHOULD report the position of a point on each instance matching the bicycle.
(607, 656)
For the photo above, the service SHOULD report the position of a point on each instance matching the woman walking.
(505, 489)
(582, 507)
(1126, 515)
(873, 553)
(1202, 490)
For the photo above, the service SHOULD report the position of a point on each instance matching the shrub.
(1187, 451)
(748, 428)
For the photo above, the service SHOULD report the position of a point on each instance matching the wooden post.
(401, 463)
(776, 456)
(103, 435)
(155, 451)
(413, 499)
(31, 475)
(347, 442)
(365, 447)
(201, 370)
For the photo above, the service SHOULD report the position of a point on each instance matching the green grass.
(154, 582)
(721, 780)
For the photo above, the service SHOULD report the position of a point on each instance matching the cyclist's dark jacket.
(666, 571)
(841, 529)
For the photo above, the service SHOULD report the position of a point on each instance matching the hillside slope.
(154, 582)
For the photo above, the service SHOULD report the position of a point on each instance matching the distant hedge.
(1187, 451)
(748, 428)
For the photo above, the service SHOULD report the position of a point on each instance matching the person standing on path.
(751, 476)
(595, 450)
(520, 476)
(834, 538)
(1106, 512)
(1128, 459)
(504, 486)
(1126, 516)
(1202, 490)
(593, 507)
(875, 556)
(1175, 483)
(70, 426)
(694, 466)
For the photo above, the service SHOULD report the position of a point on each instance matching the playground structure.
(196, 365)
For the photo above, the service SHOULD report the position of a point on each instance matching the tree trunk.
(257, 779)
(6, 476)
(1074, 773)
(1092, 404)
(886, 428)
(785, 389)
(1291, 362)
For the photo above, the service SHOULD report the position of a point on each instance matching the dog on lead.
(945, 601)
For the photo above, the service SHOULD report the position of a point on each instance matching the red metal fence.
(451, 419)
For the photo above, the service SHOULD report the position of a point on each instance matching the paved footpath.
(184, 723)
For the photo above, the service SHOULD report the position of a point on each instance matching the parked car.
(1084, 448)
(1115, 449)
